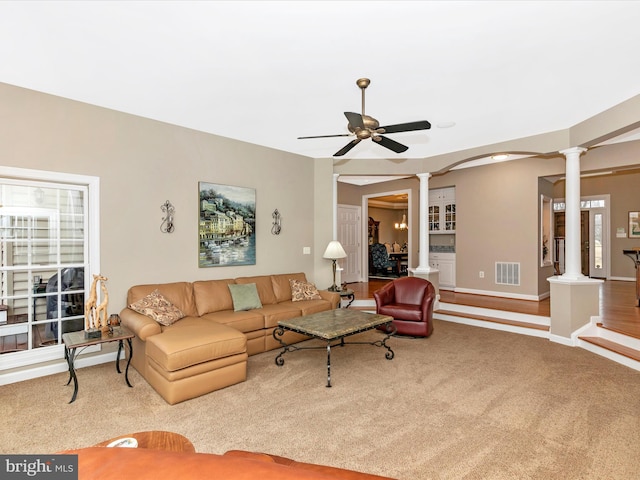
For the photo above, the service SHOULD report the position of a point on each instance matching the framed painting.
(227, 225)
(634, 224)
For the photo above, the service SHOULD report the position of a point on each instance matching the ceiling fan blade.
(327, 136)
(390, 144)
(347, 147)
(406, 127)
(355, 120)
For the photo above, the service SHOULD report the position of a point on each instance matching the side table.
(348, 294)
(76, 340)
(157, 440)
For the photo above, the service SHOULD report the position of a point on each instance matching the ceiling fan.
(363, 127)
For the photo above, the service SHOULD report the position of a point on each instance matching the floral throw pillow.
(156, 306)
(303, 291)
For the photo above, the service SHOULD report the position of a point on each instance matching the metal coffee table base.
(333, 342)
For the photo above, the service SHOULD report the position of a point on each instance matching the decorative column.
(574, 297)
(423, 252)
(573, 267)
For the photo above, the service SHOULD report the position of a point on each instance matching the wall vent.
(507, 273)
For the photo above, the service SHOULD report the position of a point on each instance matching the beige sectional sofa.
(208, 348)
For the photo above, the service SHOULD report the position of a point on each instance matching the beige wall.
(388, 218)
(498, 213)
(141, 163)
(624, 191)
(352, 195)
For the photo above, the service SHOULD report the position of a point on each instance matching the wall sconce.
(276, 228)
(167, 222)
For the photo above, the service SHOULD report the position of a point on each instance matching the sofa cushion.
(245, 321)
(213, 295)
(303, 291)
(282, 287)
(245, 297)
(263, 285)
(404, 311)
(282, 311)
(178, 293)
(307, 307)
(156, 306)
(192, 342)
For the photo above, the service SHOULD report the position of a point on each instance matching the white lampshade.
(334, 250)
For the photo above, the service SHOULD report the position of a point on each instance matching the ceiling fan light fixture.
(364, 126)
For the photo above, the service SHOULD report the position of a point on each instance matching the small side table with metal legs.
(348, 294)
(76, 340)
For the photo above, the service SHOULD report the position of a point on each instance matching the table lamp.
(333, 252)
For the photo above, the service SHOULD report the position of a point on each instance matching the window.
(46, 229)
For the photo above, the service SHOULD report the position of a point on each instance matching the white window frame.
(33, 357)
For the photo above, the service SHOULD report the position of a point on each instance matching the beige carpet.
(466, 403)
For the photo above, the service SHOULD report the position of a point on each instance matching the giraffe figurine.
(101, 310)
(91, 319)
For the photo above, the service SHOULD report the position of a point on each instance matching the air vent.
(507, 273)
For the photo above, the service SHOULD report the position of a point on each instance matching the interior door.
(585, 240)
(349, 233)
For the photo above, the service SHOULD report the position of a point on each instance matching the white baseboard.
(58, 366)
(516, 296)
(568, 342)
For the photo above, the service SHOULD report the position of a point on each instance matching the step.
(614, 347)
(626, 333)
(502, 321)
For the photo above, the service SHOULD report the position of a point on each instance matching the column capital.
(423, 175)
(573, 150)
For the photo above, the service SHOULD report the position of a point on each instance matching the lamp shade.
(334, 250)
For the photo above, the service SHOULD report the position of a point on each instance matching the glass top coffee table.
(333, 326)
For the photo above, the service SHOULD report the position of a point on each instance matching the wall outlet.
(481, 274)
(306, 250)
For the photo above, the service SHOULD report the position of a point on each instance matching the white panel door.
(349, 233)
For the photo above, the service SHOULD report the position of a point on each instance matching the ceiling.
(268, 72)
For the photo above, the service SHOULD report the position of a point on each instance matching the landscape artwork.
(227, 225)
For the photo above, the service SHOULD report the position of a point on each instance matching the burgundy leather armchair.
(409, 301)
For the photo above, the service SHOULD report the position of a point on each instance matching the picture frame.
(634, 224)
(227, 225)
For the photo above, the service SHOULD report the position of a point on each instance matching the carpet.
(466, 403)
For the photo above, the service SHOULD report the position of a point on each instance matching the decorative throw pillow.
(244, 296)
(303, 291)
(156, 306)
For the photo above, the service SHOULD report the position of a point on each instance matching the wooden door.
(559, 232)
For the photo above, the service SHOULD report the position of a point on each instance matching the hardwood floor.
(618, 305)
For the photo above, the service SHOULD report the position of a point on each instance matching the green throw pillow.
(245, 297)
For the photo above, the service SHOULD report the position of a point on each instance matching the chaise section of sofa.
(207, 349)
